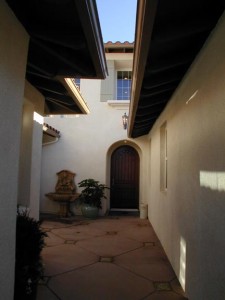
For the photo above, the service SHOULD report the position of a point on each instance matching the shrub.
(92, 193)
(29, 267)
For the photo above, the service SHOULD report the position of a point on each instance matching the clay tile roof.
(50, 130)
(119, 47)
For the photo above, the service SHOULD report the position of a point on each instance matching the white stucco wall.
(25, 155)
(13, 54)
(31, 150)
(189, 216)
(84, 144)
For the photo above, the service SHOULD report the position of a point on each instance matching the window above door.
(123, 85)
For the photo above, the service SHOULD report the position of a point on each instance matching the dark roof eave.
(144, 24)
(92, 30)
(167, 41)
(57, 50)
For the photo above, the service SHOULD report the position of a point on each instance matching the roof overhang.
(169, 35)
(65, 42)
(118, 47)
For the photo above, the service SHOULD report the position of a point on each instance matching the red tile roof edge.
(51, 130)
(126, 43)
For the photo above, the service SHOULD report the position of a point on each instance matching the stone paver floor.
(110, 258)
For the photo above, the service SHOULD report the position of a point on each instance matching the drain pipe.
(51, 142)
(52, 134)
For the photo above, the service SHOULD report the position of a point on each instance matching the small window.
(76, 82)
(123, 85)
(163, 158)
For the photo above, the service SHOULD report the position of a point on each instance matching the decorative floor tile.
(162, 286)
(147, 244)
(108, 259)
(70, 242)
(111, 232)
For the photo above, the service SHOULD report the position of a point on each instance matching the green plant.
(29, 267)
(93, 192)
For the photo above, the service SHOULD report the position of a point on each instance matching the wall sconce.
(125, 120)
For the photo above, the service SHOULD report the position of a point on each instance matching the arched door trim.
(108, 160)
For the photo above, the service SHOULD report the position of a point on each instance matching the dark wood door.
(124, 192)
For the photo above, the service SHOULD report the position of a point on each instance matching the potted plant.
(91, 196)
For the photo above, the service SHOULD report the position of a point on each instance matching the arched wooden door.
(124, 192)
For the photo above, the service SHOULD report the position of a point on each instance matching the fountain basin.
(62, 197)
(65, 193)
(64, 201)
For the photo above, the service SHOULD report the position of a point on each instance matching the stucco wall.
(13, 54)
(31, 151)
(189, 216)
(84, 144)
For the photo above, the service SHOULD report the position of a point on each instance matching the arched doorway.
(124, 178)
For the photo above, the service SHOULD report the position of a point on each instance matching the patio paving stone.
(110, 258)
(100, 281)
(44, 293)
(149, 262)
(109, 245)
(165, 296)
(53, 240)
(77, 232)
(66, 257)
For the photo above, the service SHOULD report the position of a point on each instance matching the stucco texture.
(189, 216)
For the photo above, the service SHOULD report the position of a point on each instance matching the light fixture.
(125, 120)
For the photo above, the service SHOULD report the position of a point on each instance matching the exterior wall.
(13, 54)
(189, 216)
(85, 144)
(31, 150)
(25, 155)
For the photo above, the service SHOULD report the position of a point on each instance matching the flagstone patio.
(110, 258)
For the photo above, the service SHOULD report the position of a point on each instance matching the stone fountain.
(65, 192)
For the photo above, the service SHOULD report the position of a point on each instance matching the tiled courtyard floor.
(110, 258)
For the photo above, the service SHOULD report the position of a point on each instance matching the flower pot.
(89, 211)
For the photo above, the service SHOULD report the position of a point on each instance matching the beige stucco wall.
(13, 54)
(31, 151)
(25, 155)
(85, 144)
(189, 216)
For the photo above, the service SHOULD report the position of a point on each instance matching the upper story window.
(123, 85)
(76, 82)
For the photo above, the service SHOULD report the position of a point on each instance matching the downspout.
(52, 133)
(52, 142)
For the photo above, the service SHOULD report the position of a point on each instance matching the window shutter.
(108, 84)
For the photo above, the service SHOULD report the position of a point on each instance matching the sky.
(117, 19)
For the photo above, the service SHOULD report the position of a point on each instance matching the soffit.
(65, 41)
(124, 64)
(121, 54)
(169, 35)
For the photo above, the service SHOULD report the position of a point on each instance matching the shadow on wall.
(211, 237)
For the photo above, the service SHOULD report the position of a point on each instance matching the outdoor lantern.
(125, 120)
